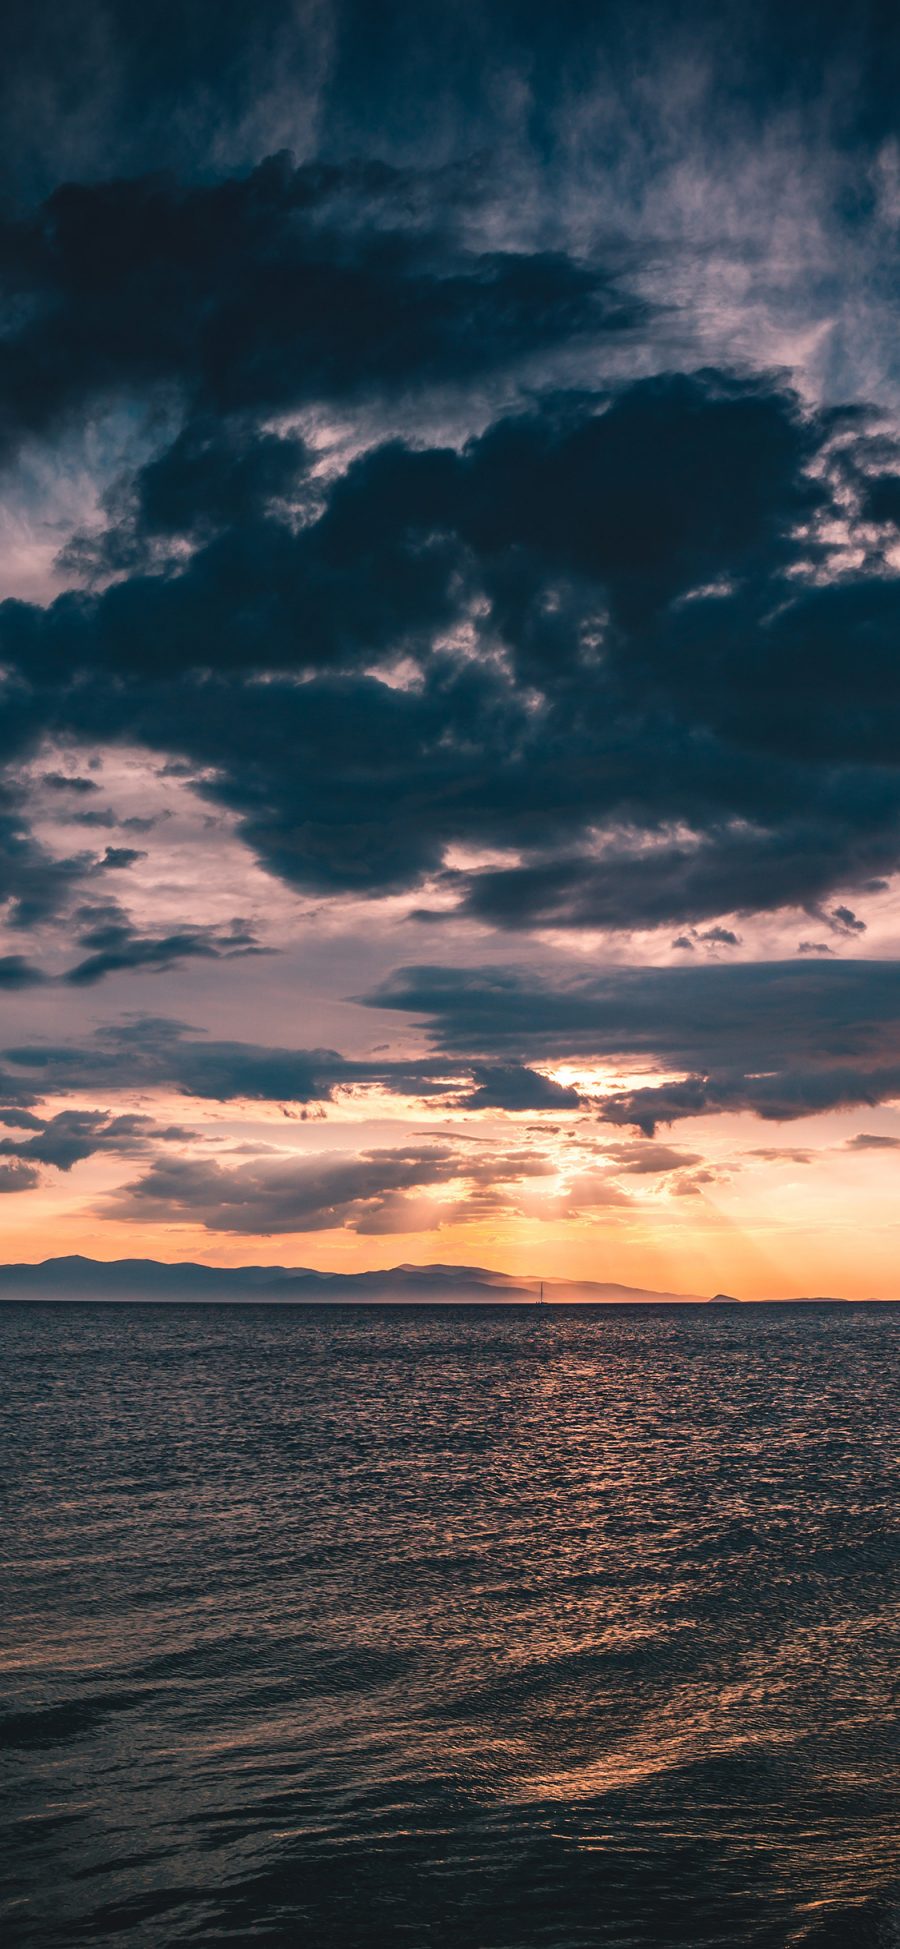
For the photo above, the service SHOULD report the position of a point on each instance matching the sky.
(450, 574)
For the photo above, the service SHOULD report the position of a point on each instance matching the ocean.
(499, 1628)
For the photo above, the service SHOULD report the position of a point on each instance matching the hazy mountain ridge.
(135, 1279)
(122, 1280)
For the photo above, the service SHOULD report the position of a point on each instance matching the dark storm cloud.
(683, 1015)
(882, 500)
(683, 479)
(780, 1039)
(812, 677)
(214, 475)
(729, 868)
(758, 723)
(258, 294)
(671, 483)
(676, 481)
(257, 598)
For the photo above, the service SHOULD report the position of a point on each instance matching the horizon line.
(514, 1289)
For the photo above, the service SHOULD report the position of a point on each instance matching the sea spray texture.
(495, 1628)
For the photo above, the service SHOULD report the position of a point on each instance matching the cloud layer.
(492, 515)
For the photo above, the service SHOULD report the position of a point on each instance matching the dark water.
(485, 1628)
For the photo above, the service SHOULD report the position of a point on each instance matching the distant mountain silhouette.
(451, 1285)
(151, 1279)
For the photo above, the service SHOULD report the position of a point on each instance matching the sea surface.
(498, 1628)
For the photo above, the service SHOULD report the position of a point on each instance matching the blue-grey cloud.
(16, 1176)
(780, 1040)
(152, 1052)
(368, 1193)
(70, 1136)
(116, 945)
(512, 1086)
